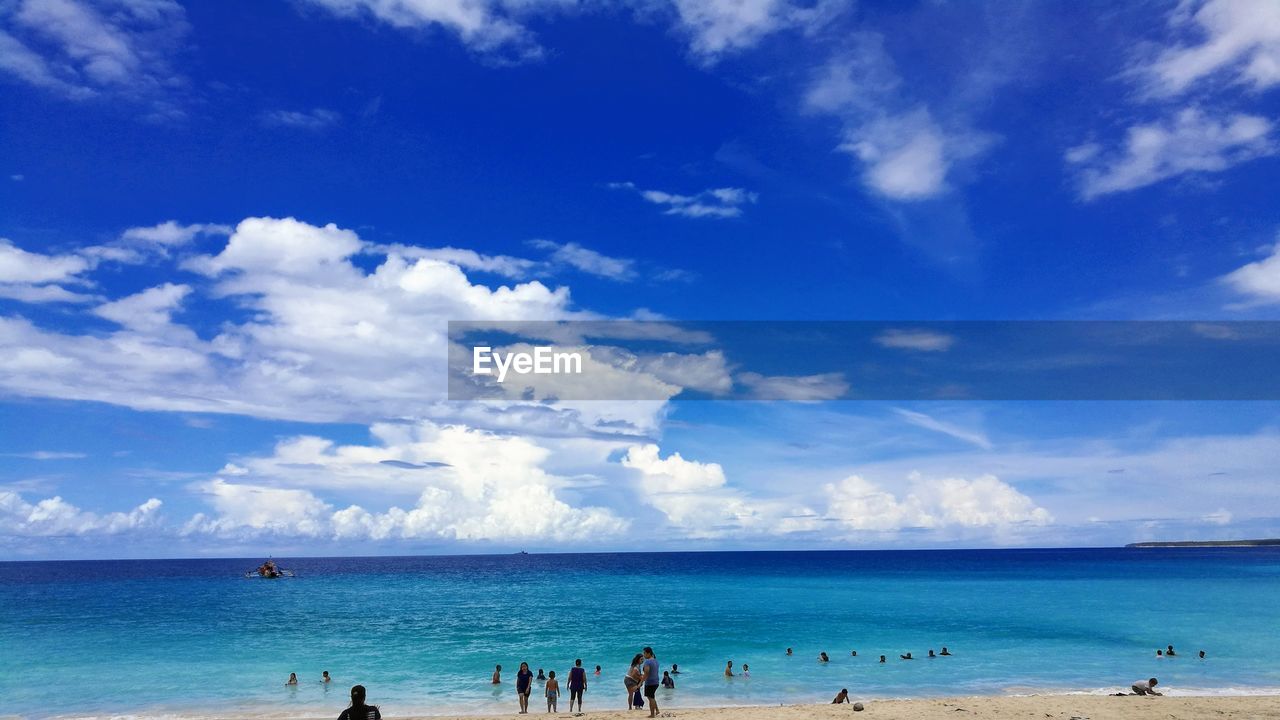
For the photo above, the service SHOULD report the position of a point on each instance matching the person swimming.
(667, 682)
(1201, 654)
(788, 652)
(881, 658)
(293, 679)
(675, 669)
(1169, 652)
(931, 654)
(853, 653)
(728, 669)
(541, 675)
(1159, 653)
(841, 697)
(359, 710)
(906, 657)
(822, 657)
(945, 651)
(597, 669)
(324, 676)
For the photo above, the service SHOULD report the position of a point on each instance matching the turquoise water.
(192, 638)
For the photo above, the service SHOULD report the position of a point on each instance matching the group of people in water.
(824, 658)
(641, 682)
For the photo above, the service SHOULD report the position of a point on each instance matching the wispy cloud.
(315, 119)
(1189, 142)
(725, 202)
(587, 260)
(81, 48)
(928, 422)
(1234, 40)
(921, 340)
(47, 455)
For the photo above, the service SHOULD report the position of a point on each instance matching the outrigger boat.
(269, 571)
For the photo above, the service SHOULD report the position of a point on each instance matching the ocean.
(191, 638)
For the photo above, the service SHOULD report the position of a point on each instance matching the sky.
(232, 235)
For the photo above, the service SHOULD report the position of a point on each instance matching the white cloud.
(928, 422)
(469, 485)
(148, 310)
(170, 233)
(587, 260)
(920, 340)
(718, 27)
(672, 474)
(1221, 516)
(19, 266)
(795, 388)
(1191, 142)
(984, 502)
(505, 265)
(1258, 280)
(55, 517)
(485, 26)
(1237, 39)
(80, 48)
(724, 202)
(906, 154)
(315, 119)
(46, 455)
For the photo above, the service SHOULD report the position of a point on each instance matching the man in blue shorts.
(651, 680)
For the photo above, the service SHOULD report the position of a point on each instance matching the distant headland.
(1206, 543)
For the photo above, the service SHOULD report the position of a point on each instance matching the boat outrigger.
(269, 571)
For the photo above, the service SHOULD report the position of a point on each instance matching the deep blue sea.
(194, 637)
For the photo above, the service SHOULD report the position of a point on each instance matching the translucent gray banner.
(545, 361)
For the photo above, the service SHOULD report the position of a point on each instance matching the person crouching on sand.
(841, 697)
(358, 710)
(1146, 687)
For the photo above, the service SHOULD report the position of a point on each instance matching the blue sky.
(233, 233)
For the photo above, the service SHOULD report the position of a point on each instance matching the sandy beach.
(1035, 707)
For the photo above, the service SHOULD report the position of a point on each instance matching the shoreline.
(1054, 705)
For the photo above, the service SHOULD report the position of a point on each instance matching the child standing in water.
(553, 691)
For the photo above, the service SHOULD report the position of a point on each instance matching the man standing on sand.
(577, 683)
(652, 680)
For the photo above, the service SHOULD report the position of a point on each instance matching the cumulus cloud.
(55, 517)
(469, 485)
(726, 202)
(1238, 40)
(930, 503)
(1190, 142)
(149, 309)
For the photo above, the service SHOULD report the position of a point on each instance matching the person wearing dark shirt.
(577, 683)
(667, 682)
(358, 710)
(524, 686)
